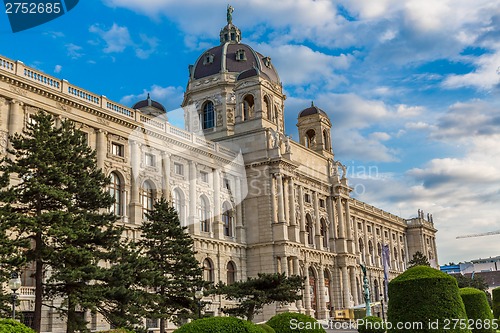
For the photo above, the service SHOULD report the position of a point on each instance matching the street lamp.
(198, 294)
(382, 305)
(14, 285)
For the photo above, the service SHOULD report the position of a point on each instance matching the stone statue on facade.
(288, 148)
(366, 291)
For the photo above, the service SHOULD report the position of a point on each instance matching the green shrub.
(290, 322)
(118, 330)
(496, 302)
(375, 325)
(478, 310)
(425, 296)
(219, 325)
(12, 326)
(266, 328)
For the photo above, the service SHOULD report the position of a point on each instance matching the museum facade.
(253, 199)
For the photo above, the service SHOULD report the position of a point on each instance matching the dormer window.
(208, 58)
(233, 36)
(267, 61)
(240, 55)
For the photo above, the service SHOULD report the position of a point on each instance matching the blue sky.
(412, 87)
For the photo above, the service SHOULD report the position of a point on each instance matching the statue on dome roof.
(230, 11)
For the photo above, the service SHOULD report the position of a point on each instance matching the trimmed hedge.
(12, 326)
(266, 328)
(496, 302)
(375, 325)
(291, 322)
(428, 297)
(219, 325)
(118, 330)
(478, 310)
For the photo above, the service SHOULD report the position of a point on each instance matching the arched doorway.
(313, 291)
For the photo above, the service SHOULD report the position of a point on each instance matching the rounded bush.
(478, 310)
(266, 328)
(424, 299)
(12, 326)
(496, 302)
(371, 324)
(290, 322)
(219, 325)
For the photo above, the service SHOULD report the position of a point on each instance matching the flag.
(386, 262)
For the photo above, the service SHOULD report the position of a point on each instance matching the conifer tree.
(172, 271)
(58, 203)
(418, 259)
(253, 294)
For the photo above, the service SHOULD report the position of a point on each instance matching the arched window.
(204, 215)
(147, 198)
(208, 115)
(309, 229)
(326, 140)
(310, 139)
(376, 290)
(324, 232)
(267, 107)
(227, 220)
(313, 289)
(248, 104)
(208, 270)
(115, 190)
(178, 203)
(231, 272)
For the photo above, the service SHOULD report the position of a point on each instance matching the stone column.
(284, 265)
(281, 208)
(273, 200)
(101, 148)
(296, 271)
(348, 228)
(293, 229)
(317, 236)
(165, 175)
(332, 227)
(135, 204)
(368, 257)
(286, 205)
(346, 287)
(240, 229)
(16, 117)
(303, 238)
(218, 226)
(354, 286)
(307, 292)
(322, 310)
(340, 218)
(194, 222)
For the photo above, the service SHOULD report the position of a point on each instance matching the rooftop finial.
(149, 100)
(312, 103)
(230, 11)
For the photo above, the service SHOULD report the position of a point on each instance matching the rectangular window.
(369, 228)
(401, 239)
(322, 203)
(307, 197)
(360, 226)
(393, 236)
(152, 323)
(227, 184)
(117, 149)
(377, 231)
(204, 176)
(179, 169)
(386, 234)
(28, 318)
(149, 160)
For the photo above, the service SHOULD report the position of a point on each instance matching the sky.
(412, 87)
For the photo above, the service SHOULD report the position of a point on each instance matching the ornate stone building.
(254, 199)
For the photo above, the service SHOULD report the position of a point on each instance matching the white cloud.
(485, 76)
(74, 51)
(57, 69)
(117, 38)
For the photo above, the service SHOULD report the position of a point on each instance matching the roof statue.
(230, 11)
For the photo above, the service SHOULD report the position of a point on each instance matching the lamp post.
(198, 294)
(14, 285)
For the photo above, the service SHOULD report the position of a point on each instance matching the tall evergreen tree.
(172, 271)
(59, 204)
(256, 292)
